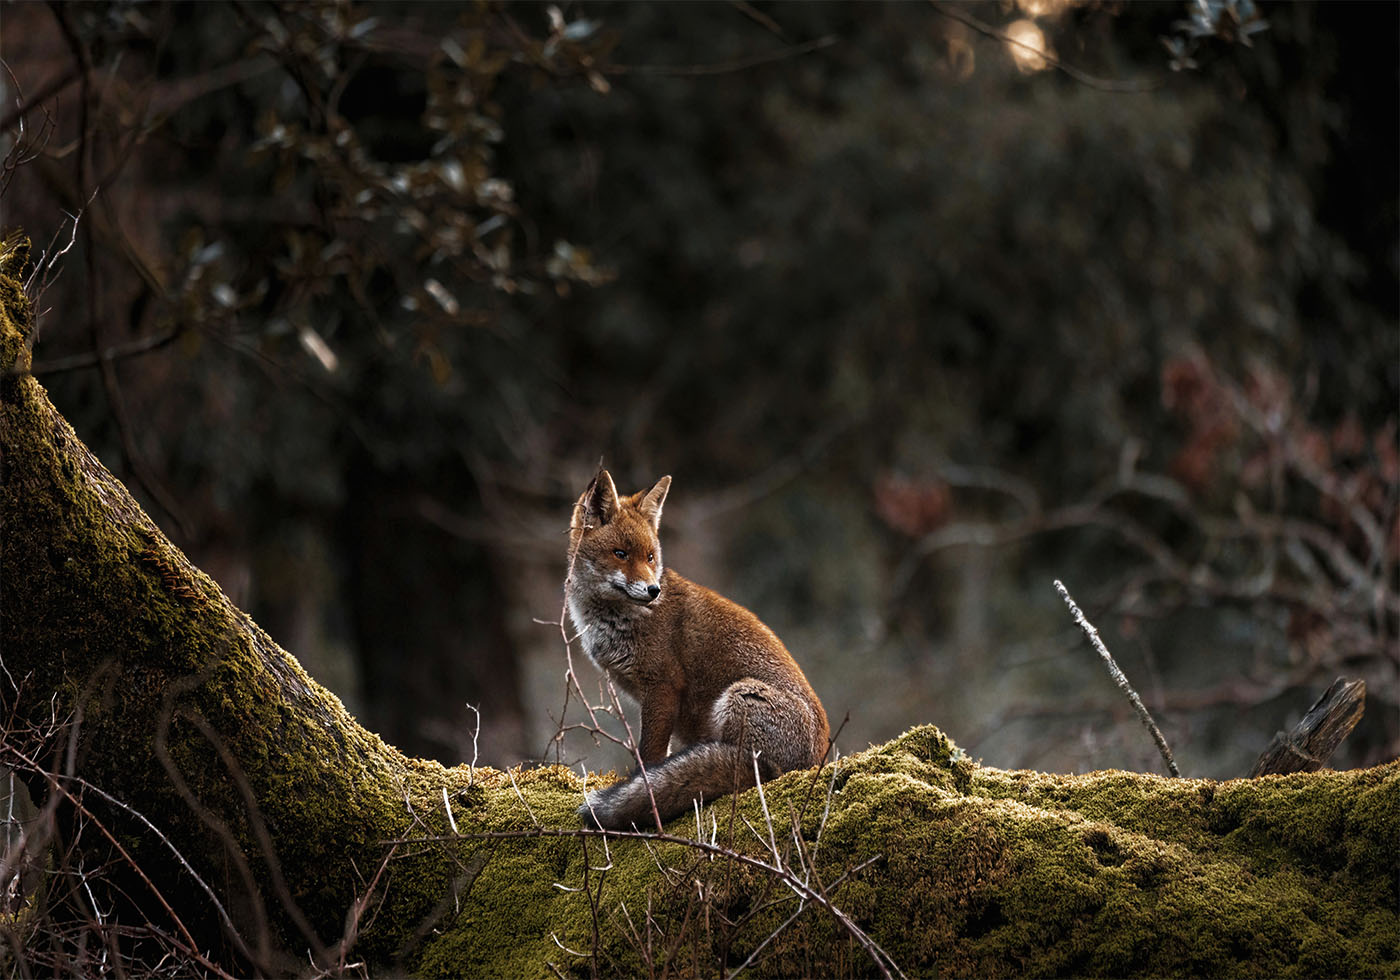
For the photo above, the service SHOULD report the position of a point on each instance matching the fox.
(711, 679)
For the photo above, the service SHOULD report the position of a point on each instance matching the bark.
(1311, 742)
(315, 834)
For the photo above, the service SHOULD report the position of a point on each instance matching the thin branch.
(94, 358)
(216, 824)
(883, 963)
(1119, 677)
(23, 149)
(187, 943)
(759, 18)
(43, 273)
(521, 797)
(725, 67)
(259, 827)
(45, 91)
(1083, 77)
(110, 386)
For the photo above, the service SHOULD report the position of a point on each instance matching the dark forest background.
(358, 296)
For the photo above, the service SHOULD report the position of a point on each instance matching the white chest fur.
(607, 630)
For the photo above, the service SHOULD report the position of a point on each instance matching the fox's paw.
(593, 811)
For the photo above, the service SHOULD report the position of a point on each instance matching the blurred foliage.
(874, 287)
(331, 252)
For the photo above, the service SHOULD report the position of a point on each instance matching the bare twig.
(1119, 677)
(46, 269)
(24, 147)
(186, 943)
(572, 682)
(94, 358)
(804, 890)
(447, 806)
(259, 828)
(476, 733)
(336, 966)
(263, 956)
(521, 797)
(46, 91)
(759, 17)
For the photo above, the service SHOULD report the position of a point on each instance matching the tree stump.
(1313, 740)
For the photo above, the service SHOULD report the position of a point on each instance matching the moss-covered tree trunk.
(182, 708)
(907, 856)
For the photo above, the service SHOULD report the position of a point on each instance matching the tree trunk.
(312, 834)
(452, 602)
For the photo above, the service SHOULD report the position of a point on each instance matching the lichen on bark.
(189, 713)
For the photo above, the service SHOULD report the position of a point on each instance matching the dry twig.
(1119, 677)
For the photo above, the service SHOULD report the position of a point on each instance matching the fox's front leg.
(659, 711)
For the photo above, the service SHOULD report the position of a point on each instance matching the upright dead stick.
(1313, 740)
(1119, 677)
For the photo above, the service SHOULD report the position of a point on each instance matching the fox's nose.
(653, 591)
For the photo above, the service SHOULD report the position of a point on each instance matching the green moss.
(975, 871)
(16, 321)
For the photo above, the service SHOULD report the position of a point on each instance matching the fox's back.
(718, 642)
(723, 641)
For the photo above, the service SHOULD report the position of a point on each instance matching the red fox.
(707, 674)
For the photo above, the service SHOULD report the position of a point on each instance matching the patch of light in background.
(1043, 8)
(1027, 43)
(961, 59)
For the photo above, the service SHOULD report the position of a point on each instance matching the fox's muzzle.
(640, 594)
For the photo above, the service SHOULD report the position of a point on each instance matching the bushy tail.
(705, 772)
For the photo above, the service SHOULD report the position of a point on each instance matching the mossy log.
(292, 813)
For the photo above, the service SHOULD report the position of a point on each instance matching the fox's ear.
(599, 501)
(651, 503)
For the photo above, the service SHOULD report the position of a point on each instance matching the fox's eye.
(651, 558)
(620, 553)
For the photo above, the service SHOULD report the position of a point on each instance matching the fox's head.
(613, 540)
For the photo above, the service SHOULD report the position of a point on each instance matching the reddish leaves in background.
(912, 507)
(1191, 390)
(1354, 473)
